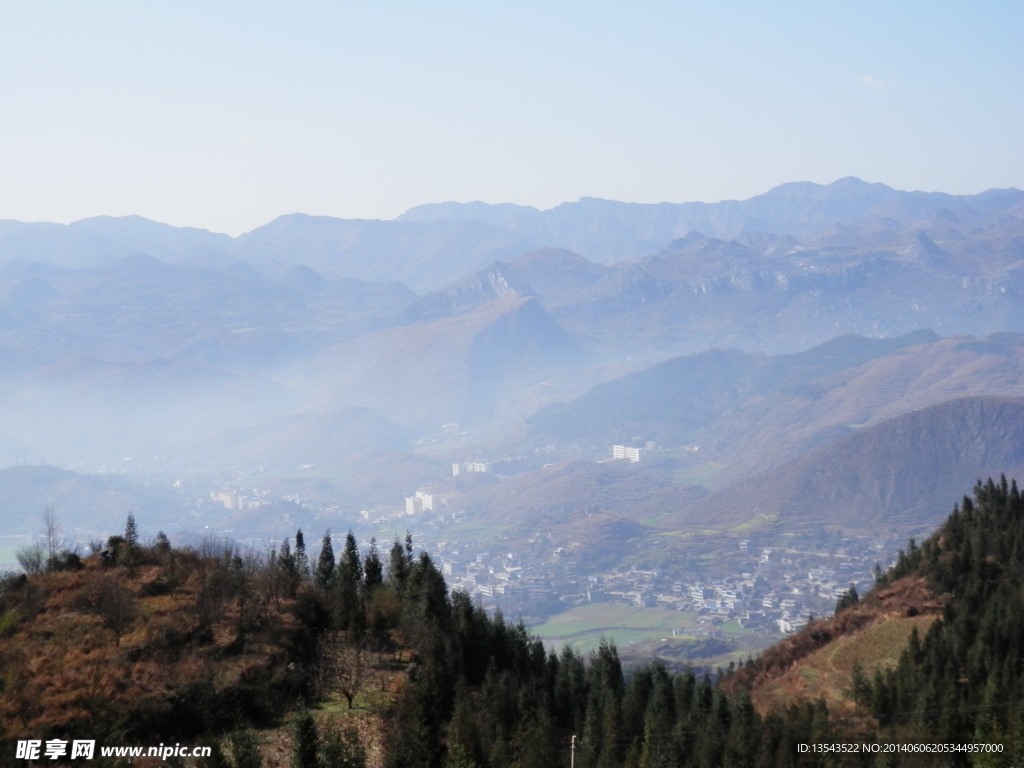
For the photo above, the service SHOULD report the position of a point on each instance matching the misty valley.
(580, 457)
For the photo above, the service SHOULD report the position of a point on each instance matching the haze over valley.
(536, 385)
(794, 371)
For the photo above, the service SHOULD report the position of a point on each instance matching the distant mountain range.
(606, 231)
(741, 336)
(435, 244)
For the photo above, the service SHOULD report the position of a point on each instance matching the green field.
(582, 627)
(699, 474)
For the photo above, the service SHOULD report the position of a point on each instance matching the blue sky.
(224, 115)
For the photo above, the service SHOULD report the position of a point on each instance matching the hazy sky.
(224, 115)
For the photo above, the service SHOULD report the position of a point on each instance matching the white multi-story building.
(626, 452)
(790, 626)
(229, 499)
(471, 466)
(419, 502)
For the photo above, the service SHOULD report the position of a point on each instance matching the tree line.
(481, 692)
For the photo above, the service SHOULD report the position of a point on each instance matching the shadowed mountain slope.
(740, 415)
(445, 370)
(667, 402)
(766, 432)
(896, 473)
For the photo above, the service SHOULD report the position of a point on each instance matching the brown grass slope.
(896, 473)
(112, 653)
(819, 661)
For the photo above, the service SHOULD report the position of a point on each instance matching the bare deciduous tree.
(53, 535)
(32, 559)
(113, 602)
(353, 672)
(343, 668)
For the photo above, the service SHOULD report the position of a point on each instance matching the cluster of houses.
(769, 589)
(774, 595)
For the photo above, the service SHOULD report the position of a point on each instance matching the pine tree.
(163, 544)
(245, 750)
(289, 568)
(305, 741)
(351, 562)
(325, 564)
(301, 559)
(849, 599)
(131, 543)
(131, 532)
(398, 566)
(341, 748)
(373, 569)
(349, 613)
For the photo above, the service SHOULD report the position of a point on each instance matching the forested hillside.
(146, 641)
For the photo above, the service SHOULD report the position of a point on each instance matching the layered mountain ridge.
(737, 337)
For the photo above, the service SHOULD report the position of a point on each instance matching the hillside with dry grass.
(177, 645)
(209, 644)
(818, 663)
(362, 660)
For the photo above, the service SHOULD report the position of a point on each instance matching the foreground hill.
(161, 644)
(893, 475)
(932, 653)
(171, 646)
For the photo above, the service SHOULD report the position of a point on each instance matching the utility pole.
(572, 758)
